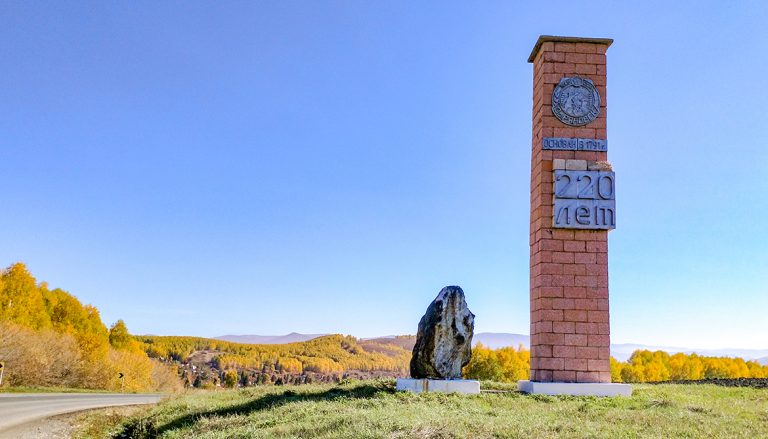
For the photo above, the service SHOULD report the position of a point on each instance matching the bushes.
(231, 379)
(40, 358)
(51, 359)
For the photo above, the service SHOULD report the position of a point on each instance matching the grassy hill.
(372, 409)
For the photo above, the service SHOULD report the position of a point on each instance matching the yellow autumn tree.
(21, 301)
(616, 369)
(49, 338)
(504, 365)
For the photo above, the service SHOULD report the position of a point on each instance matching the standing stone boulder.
(444, 341)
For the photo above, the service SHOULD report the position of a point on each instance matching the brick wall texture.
(570, 334)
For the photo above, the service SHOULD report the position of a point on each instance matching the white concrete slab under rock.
(446, 386)
(575, 389)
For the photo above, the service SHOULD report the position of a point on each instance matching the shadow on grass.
(147, 428)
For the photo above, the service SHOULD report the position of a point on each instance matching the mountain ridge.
(292, 337)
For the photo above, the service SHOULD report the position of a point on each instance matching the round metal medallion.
(575, 101)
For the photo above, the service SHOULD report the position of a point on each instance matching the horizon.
(487, 333)
(258, 169)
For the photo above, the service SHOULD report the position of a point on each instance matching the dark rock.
(444, 341)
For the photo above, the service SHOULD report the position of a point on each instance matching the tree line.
(510, 365)
(49, 338)
(646, 366)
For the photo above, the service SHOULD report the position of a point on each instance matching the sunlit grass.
(373, 409)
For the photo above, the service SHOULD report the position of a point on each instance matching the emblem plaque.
(575, 101)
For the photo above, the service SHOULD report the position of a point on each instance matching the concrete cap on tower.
(555, 39)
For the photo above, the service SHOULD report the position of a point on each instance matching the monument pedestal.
(446, 386)
(574, 389)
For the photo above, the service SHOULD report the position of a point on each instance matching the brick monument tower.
(572, 210)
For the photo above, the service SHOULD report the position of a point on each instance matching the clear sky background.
(203, 168)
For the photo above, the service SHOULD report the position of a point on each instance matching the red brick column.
(570, 339)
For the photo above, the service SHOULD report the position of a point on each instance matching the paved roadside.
(17, 409)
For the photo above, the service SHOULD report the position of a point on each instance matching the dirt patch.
(58, 427)
(65, 426)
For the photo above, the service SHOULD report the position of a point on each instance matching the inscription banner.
(584, 200)
(574, 144)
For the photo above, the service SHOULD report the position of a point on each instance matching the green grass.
(372, 409)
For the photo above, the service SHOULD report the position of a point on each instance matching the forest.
(209, 363)
(48, 338)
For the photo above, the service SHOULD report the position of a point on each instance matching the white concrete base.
(575, 389)
(447, 386)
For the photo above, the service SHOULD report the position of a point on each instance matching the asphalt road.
(22, 408)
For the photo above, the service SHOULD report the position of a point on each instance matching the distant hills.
(495, 340)
(622, 352)
(293, 337)
(492, 340)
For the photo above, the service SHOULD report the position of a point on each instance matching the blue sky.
(266, 167)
